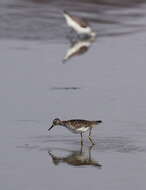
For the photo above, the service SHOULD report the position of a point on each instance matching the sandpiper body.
(77, 126)
(78, 24)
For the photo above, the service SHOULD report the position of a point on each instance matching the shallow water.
(106, 81)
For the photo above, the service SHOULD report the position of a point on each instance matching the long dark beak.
(50, 127)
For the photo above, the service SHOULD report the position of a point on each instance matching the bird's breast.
(77, 130)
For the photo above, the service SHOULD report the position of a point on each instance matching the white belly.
(76, 26)
(78, 131)
(83, 129)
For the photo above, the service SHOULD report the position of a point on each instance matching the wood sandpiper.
(77, 126)
(80, 25)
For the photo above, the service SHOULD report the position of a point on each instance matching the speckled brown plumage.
(82, 22)
(79, 123)
(77, 126)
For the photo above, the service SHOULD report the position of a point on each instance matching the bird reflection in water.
(76, 158)
(79, 47)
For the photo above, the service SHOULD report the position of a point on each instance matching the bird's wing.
(82, 22)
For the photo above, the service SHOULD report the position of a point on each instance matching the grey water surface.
(106, 82)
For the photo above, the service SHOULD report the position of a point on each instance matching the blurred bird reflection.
(78, 47)
(76, 158)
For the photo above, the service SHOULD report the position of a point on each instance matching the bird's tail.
(97, 165)
(99, 121)
(65, 12)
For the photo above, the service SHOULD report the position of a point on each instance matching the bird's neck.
(62, 123)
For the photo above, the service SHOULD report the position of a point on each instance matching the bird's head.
(55, 122)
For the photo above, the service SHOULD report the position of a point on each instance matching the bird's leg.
(71, 31)
(81, 139)
(74, 36)
(90, 138)
(70, 35)
(81, 149)
(89, 150)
